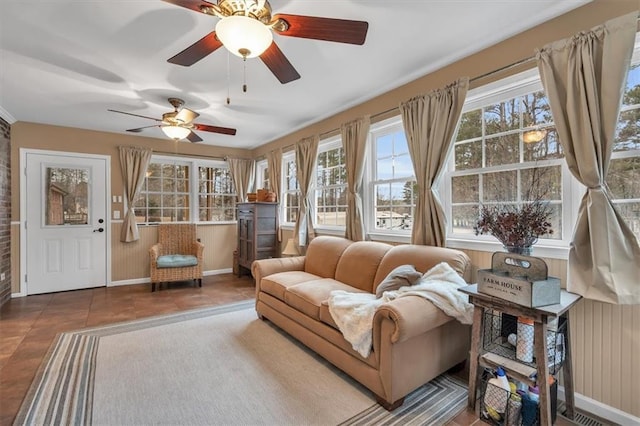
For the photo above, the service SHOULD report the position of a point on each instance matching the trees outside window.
(492, 165)
(331, 185)
(393, 184)
(623, 177)
(185, 190)
(291, 191)
(216, 195)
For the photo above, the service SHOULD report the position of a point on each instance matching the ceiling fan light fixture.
(534, 136)
(244, 36)
(176, 132)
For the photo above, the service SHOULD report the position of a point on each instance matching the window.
(262, 175)
(291, 191)
(331, 185)
(492, 164)
(185, 190)
(216, 195)
(393, 183)
(623, 177)
(164, 196)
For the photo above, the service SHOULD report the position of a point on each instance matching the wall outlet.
(3, 276)
(116, 214)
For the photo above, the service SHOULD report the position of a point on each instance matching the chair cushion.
(176, 261)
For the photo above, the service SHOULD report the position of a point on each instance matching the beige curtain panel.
(430, 123)
(242, 172)
(306, 156)
(354, 142)
(133, 163)
(584, 78)
(274, 164)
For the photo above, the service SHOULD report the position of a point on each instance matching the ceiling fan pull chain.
(244, 66)
(228, 80)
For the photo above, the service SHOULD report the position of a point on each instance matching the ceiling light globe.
(241, 34)
(176, 132)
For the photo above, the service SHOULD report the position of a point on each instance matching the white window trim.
(324, 146)
(261, 166)
(510, 87)
(286, 157)
(389, 125)
(193, 164)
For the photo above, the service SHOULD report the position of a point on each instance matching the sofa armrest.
(264, 267)
(411, 316)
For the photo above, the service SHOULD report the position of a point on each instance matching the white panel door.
(66, 213)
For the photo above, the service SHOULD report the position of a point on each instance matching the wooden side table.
(541, 317)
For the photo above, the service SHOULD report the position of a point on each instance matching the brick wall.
(5, 211)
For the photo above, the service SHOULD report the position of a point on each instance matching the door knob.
(99, 230)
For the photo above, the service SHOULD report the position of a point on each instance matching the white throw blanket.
(353, 312)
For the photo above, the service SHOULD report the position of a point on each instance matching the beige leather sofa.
(413, 341)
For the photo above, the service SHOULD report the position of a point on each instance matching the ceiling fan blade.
(135, 115)
(190, 4)
(197, 50)
(186, 115)
(328, 29)
(214, 129)
(279, 65)
(193, 137)
(139, 129)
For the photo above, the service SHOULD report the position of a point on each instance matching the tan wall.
(606, 338)
(500, 55)
(130, 260)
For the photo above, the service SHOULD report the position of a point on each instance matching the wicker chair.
(177, 256)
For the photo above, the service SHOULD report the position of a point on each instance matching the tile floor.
(29, 325)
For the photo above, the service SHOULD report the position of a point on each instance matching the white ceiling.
(65, 62)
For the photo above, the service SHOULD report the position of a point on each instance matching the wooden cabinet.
(257, 233)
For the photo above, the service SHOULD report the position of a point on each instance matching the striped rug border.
(62, 390)
(434, 403)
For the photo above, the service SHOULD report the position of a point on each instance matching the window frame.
(325, 146)
(261, 167)
(194, 188)
(385, 127)
(499, 91)
(287, 157)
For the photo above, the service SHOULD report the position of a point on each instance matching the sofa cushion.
(176, 261)
(359, 262)
(403, 275)
(276, 284)
(323, 254)
(307, 297)
(423, 258)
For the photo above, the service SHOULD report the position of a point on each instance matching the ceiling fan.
(245, 30)
(178, 124)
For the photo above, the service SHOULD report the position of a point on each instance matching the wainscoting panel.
(131, 260)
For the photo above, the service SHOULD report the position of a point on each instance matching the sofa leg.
(199, 282)
(389, 406)
(153, 287)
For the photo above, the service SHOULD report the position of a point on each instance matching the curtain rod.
(474, 79)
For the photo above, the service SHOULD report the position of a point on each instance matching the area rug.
(217, 365)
